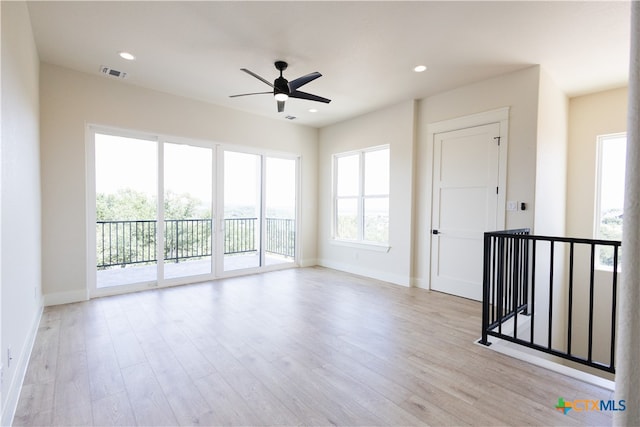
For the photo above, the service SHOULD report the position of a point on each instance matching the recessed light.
(127, 56)
(420, 68)
(313, 110)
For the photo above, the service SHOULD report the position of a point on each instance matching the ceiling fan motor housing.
(281, 85)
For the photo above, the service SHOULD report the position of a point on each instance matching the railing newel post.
(485, 289)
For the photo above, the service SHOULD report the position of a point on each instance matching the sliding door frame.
(160, 140)
(217, 209)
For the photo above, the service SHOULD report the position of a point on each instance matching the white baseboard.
(419, 283)
(396, 279)
(57, 298)
(22, 362)
(312, 262)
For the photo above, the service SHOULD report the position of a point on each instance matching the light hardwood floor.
(305, 346)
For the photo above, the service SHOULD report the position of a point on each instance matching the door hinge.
(497, 138)
(497, 192)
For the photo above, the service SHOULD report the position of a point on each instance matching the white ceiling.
(365, 50)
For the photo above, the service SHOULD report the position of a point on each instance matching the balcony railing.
(239, 235)
(120, 243)
(281, 236)
(549, 294)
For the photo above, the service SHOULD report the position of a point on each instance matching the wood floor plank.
(308, 346)
(42, 418)
(227, 406)
(44, 356)
(309, 407)
(72, 382)
(113, 410)
(128, 349)
(148, 402)
(35, 398)
(259, 398)
(105, 378)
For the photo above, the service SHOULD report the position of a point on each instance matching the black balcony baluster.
(121, 243)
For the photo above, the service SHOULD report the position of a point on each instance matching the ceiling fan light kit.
(284, 89)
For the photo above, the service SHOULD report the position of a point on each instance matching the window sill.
(605, 268)
(376, 247)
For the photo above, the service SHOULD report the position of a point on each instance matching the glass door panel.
(187, 210)
(126, 210)
(242, 208)
(280, 211)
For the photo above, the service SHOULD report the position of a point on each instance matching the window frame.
(597, 218)
(360, 198)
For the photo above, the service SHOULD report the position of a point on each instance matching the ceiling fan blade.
(301, 81)
(280, 106)
(254, 93)
(251, 73)
(308, 96)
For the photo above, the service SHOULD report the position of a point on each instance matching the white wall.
(393, 126)
(20, 229)
(519, 92)
(551, 159)
(590, 115)
(70, 100)
(550, 206)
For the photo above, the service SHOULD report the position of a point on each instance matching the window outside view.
(362, 196)
(126, 210)
(610, 197)
(127, 229)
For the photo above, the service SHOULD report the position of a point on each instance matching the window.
(361, 196)
(610, 192)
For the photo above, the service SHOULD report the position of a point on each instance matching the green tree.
(127, 242)
(125, 205)
(610, 229)
(184, 206)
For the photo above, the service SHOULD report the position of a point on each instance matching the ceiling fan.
(284, 89)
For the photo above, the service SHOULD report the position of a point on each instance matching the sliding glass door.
(242, 210)
(155, 209)
(126, 195)
(280, 210)
(187, 208)
(259, 210)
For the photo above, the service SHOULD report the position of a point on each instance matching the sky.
(613, 153)
(123, 162)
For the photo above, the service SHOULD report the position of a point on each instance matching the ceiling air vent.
(108, 71)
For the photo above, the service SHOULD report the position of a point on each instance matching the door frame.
(217, 209)
(500, 116)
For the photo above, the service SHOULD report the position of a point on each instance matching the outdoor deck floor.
(147, 273)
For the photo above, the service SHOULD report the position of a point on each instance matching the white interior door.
(465, 202)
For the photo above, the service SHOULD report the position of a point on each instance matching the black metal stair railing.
(550, 294)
